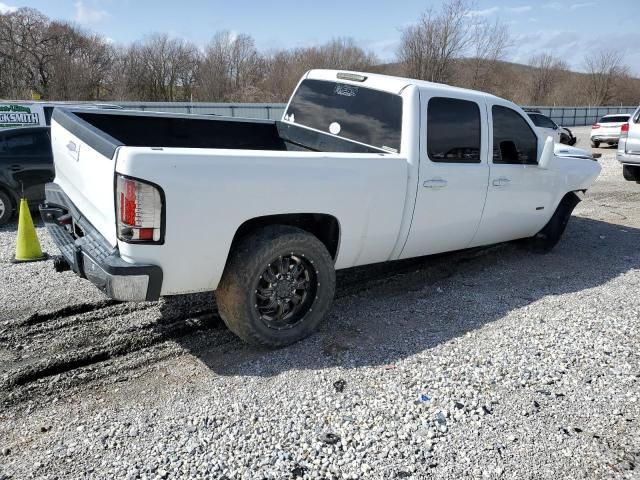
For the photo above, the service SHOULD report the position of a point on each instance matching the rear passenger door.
(520, 193)
(453, 175)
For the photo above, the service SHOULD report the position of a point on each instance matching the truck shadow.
(386, 313)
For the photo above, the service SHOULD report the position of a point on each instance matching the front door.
(520, 193)
(453, 176)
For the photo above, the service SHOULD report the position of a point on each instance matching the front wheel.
(277, 287)
(549, 236)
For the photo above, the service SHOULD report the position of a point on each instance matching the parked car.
(629, 147)
(546, 126)
(607, 130)
(26, 165)
(362, 168)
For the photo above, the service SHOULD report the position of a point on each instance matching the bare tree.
(82, 67)
(284, 68)
(489, 42)
(429, 49)
(605, 69)
(28, 44)
(161, 68)
(231, 68)
(544, 77)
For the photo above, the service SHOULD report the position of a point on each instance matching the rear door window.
(33, 143)
(514, 142)
(453, 130)
(348, 111)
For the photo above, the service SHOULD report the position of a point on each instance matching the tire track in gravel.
(86, 342)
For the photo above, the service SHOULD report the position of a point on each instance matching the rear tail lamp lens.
(624, 130)
(597, 125)
(139, 211)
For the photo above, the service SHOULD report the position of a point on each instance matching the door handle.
(501, 182)
(435, 183)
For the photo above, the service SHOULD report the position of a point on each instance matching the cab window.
(453, 130)
(514, 142)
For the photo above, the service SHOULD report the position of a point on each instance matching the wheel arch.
(323, 226)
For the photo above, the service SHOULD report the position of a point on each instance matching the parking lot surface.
(494, 363)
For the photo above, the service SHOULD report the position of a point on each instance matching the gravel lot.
(489, 364)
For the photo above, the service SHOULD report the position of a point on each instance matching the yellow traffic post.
(27, 245)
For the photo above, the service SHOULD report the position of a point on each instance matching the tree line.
(62, 61)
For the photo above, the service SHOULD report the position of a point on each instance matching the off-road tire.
(549, 236)
(7, 212)
(236, 293)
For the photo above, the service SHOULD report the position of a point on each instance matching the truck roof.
(389, 83)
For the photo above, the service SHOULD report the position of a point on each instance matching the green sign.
(17, 116)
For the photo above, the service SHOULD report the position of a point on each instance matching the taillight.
(594, 126)
(139, 211)
(624, 130)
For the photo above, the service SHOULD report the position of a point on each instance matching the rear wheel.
(549, 236)
(595, 143)
(6, 209)
(277, 287)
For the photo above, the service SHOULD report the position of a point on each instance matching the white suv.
(607, 130)
(629, 147)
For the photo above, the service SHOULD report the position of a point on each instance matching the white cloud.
(90, 16)
(522, 9)
(582, 5)
(4, 8)
(483, 13)
(553, 5)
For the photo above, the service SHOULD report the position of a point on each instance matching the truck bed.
(111, 129)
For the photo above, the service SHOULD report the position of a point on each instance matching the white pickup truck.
(362, 168)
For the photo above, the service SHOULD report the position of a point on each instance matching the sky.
(568, 29)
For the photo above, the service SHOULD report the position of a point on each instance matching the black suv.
(26, 164)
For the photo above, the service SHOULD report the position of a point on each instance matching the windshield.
(615, 119)
(349, 111)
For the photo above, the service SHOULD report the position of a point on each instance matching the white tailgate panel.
(86, 176)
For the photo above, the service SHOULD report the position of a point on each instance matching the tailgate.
(610, 129)
(84, 159)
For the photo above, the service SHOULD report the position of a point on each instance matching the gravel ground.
(495, 363)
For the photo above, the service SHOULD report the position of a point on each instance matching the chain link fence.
(580, 116)
(565, 116)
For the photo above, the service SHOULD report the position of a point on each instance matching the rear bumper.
(628, 158)
(605, 138)
(90, 256)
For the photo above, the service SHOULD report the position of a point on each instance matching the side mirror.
(547, 153)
